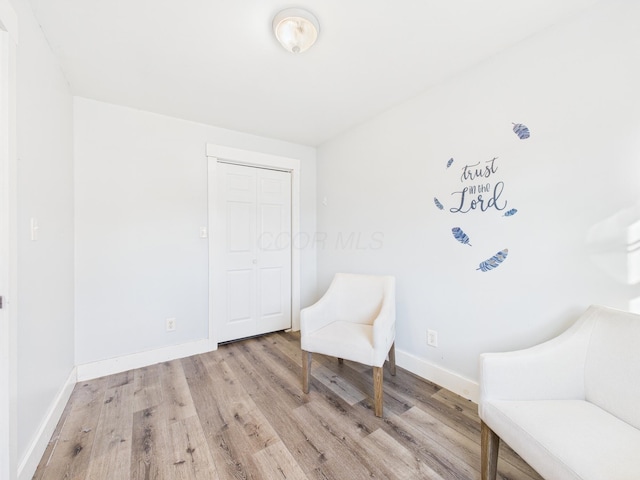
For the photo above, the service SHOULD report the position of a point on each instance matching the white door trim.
(217, 153)
(8, 250)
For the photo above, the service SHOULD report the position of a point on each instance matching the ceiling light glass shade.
(296, 29)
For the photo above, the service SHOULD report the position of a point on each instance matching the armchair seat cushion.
(351, 341)
(587, 442)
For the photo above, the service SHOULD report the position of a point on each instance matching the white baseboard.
(29, 463)
(458, 384)
(89, 371)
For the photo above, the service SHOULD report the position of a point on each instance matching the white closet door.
(252, 279)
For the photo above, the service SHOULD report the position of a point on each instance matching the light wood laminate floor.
(239, 413)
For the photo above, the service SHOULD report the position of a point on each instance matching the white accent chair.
(570, 407)
(354, 320)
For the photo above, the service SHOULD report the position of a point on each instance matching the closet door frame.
(219, 153)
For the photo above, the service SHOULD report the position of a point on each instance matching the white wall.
(45, 267)
(141, 198)
(576, 87)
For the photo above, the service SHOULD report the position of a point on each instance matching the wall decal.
(478, 193)
(521, 130)
(494, 261)
(460, 236)
(481, 190)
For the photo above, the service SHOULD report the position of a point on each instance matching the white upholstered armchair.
(354, 320)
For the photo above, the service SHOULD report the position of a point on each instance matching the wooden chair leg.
(306, 371)
(490, 443)
(377, 391)
(392, 359)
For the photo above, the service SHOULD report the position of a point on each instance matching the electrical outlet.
(432, 338)
(171, 324)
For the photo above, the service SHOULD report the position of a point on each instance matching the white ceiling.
(217, 62)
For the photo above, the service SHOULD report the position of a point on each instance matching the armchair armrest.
(550, 370)
(384, 323)
(318, 315)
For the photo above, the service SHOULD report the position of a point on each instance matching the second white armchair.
(354, 320)
(569, 406)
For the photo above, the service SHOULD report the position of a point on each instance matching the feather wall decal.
(449, 162)
(460, 236)
(494, 261)
(438, 204)
(521, 130)
(510, 213)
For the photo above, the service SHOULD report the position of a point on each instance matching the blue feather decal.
(438, 204)
(521, 130)
(494, 261)
(460, 236)
(449, 162)
(511, 212)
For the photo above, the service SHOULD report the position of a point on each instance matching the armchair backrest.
(359, 298)
(612, 367)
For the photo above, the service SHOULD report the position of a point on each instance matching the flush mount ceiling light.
(296, 29)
